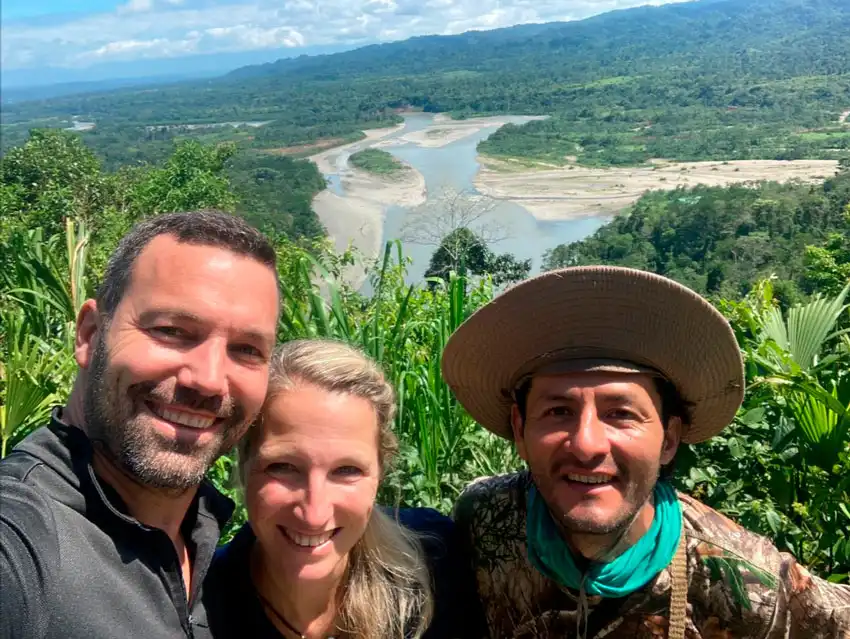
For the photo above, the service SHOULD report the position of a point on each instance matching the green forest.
(721, 241)
(725, 79)
(720, 80)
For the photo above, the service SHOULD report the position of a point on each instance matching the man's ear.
(672, 439)
(89, 327)
(518, 428)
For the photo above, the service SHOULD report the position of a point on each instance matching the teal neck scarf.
(630, 571)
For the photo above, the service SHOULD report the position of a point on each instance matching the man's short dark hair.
(208, 227)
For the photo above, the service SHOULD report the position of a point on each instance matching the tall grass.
(404, 328)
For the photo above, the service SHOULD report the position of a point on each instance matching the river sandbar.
(358, 216)
(329, 160)
(574, 192)
(443, 130)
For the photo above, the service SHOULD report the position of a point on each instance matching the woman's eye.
(348, 471)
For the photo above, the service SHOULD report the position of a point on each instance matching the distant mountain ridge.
(688, 32)
(709, 53)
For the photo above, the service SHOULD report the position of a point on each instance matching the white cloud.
(250, 37)
(135, 6)
(168, 28)
(141, 6)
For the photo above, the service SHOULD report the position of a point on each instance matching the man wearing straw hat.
(597, 374)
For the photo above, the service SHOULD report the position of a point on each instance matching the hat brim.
(598, 312)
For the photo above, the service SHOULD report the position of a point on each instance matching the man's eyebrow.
(620, 398)
(566, 396)
(164, 313)
(554, 396)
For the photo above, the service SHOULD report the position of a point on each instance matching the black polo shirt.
(75, 565)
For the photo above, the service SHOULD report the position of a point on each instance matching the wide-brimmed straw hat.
(597, 318)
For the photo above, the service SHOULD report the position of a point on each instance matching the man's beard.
(638, 491)
(114, 420)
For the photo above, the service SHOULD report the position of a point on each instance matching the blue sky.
(77, 34)
(16, 9)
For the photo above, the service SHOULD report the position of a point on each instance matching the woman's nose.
(316, 509)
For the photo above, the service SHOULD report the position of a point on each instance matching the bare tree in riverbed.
(458, 225)
(450, 211)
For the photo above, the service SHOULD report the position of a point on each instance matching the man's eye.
(622, 414)
(247, 350)
(169, 332)
(558, 411)
(281, 468)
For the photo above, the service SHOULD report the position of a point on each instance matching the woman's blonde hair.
(387, 592)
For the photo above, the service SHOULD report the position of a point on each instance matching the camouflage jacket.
(739, 585)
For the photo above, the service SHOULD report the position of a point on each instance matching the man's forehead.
(165, 253)
(604, 381)
(202, 279)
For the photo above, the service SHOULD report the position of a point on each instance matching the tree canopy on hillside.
(720, 241)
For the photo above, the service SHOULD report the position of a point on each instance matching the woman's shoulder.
(231, 605)
(426, 520)
(234, 555)
(434, 530)
(456, 606)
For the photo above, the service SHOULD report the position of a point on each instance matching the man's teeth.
(309, 541)
(184, 419)
(588, 479)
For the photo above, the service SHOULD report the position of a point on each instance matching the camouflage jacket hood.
(739, 585)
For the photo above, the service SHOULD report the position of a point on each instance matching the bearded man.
(597, 374)
(107, 526)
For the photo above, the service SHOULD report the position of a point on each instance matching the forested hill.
(719, 79)
(768, 38)
(700, 51)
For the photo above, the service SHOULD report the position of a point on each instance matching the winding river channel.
(449, 163)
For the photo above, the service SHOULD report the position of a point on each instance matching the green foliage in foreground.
(377, 161)
(782, 468)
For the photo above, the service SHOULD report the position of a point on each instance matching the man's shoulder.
(485, 496)
(43, 465)
(715, 537)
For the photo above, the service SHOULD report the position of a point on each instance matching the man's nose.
(590, 440)
(204, 369)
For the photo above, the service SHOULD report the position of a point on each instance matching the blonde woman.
(318, 559)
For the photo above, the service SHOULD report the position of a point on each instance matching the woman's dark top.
(234, 610)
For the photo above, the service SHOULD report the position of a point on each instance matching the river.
(455, 165)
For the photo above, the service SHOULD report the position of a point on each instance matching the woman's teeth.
(589, 479)
(191, 420)
(310, 541)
